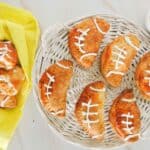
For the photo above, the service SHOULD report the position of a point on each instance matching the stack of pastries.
(84, 40)
(11, 75)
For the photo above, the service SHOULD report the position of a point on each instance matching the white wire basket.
(54, 47)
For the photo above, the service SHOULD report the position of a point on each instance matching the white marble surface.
(33, 132)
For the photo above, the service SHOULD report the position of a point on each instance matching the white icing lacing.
(49, 86)
(147, 71)
(127, 123)
(148, 93)
(114, 72)
(86, 55)
(91, 113)
(4, 101)
(129, 42)
(128, 100)
(3, 54)
(88, 113)
(147, 78)
(62, 66)
(98, 27)
(81, 39)
(57, 113)
(131, 136)
(120, 55)
(97, 90)
(10, 85)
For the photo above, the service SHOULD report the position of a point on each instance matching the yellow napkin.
(22, 29)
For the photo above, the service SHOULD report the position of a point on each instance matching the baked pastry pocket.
(117, 57)
(142, 76)
(124, 116)
(84, 40)
(53, 86)
(89, 110)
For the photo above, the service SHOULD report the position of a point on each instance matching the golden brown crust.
(11, 81)
(129, 45)
(93, 94)
(8, 101)
(142, 76)
(53, 87)
(8, 55)
(89, 41)
(125, 105)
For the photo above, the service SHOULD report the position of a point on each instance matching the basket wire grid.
(54, 47)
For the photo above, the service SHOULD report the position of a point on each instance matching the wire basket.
(54, 47)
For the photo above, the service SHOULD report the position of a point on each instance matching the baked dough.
(53, 87)
(84, 40)
(8, 101)
(117, 57)
(11, 81)
(89, 110)
(125, 116)
(8, 55)
(142, 76)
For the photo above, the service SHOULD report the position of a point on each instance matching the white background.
(32, 132)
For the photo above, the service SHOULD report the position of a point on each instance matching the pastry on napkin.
(20, 27)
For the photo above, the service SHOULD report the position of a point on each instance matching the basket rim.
(39, 106)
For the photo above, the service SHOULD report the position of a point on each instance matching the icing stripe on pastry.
(81, 38)
(147, 78)
(48, 86)
(86, 55)
(129, 42)
(88, 113)
(3, 102)
(3, 54)
(57, 113)
(148, 93)
(127, 123)
(10, 85)
(121, 55)
(91, 113)
(114, 72)
(62, 66)
(97, 90)
(98, 28)
(147, 71)
(128, 100)
(131, 136)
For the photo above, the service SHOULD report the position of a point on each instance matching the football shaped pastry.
(53, 87)
(125, 116)
(117, 57)
(11, 81)
(84, 40)
(8, 55)
(142, 75)
(89, 110)
(7, 101)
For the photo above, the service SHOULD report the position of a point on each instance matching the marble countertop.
(32, 132)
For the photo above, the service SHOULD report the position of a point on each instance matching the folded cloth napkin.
(22, 29)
